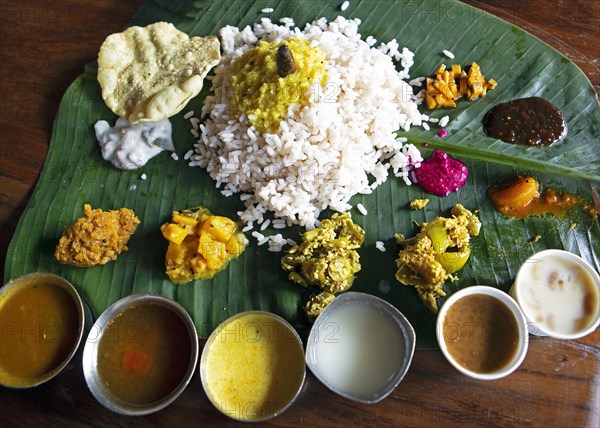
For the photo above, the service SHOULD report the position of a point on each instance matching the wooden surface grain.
(44, 46)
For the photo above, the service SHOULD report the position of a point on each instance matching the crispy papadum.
(150, 73)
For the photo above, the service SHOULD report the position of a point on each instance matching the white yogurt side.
(130, 146)
(557, 294)
(358, 349)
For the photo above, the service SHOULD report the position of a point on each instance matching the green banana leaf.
(74, 172)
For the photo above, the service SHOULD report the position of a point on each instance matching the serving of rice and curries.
(337, 140)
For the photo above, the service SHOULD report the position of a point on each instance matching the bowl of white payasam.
(558, 292)
(360, 347)
(482, 332)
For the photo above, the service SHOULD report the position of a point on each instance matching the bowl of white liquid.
(558, 292)
(360, 347)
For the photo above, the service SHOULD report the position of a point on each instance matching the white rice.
(174, 156)
(448, 54)
(188, 114)
(425, 126)
(267, 10)
(195, 123)
(444, 121)
(143, 176)
(276, 243)
(380, 246)
(344, 6)
(417, 81)
(361, 208)
(337, 146)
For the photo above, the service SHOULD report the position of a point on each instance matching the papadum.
(150, 73)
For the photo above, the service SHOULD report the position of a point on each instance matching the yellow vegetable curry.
(440, 249)
(200, 244)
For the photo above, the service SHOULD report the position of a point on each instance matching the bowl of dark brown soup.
(482, 332)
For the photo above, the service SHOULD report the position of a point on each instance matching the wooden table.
(44, 46)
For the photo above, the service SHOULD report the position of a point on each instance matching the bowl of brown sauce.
(140, 354)
(482, 332)
(42, 322)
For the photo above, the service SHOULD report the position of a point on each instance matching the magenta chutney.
(440, 174)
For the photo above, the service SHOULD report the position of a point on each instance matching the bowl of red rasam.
(140, 354)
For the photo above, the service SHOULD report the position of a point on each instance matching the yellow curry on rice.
(260, 91)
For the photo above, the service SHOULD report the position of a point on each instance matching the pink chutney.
(440, 174)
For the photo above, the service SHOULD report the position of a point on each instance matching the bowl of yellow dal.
(252, 366)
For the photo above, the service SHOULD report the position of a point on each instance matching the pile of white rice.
(340, 145)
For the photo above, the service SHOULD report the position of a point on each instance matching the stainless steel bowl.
(272, 328)
(90, 355)
(84, 323)
(355, 348)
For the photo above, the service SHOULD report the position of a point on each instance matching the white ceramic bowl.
(521, 292)
(505, 299)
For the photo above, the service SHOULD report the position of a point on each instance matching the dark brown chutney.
(532, 121)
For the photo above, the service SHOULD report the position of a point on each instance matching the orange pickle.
(521, 197)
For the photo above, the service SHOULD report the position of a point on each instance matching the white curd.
(129, 146)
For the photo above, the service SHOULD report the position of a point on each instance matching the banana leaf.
(74, 172)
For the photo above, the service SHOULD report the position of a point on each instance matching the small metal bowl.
(84, 322)
(90, 355)
(360, 347)
(269, 378)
